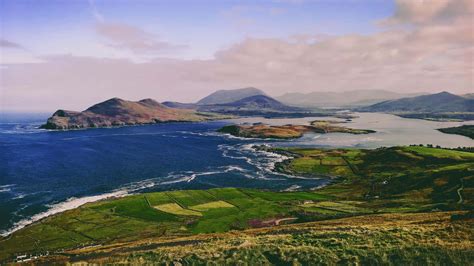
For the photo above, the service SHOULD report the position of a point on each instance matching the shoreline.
(74, 202)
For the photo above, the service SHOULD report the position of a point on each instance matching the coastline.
(76, 202)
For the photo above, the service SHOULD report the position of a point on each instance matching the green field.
(397, 180)
(392, 179)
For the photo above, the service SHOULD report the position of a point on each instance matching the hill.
(389, 206)
(340, 99)
(434, 103)
(254, 105)
(227, 96)
(118, 112)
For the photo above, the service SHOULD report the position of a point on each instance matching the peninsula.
(118, 112)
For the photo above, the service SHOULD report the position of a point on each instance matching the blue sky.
(56, 27)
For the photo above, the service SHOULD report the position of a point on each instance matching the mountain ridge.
(228, 96)
(431, 103)
(350, 98)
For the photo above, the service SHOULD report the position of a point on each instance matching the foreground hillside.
(403, 239)
(389, 205)
(118, 112)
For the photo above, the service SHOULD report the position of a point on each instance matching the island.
(465, 130)
(260, 130)
(383, 206)
(118, 112)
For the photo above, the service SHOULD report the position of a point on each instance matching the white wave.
(69, 204)
(6, 188)
(292, 188)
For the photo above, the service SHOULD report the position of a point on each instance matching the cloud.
(430, 11)
(9, 44)
(128, 37)
(124, 36)
(435, 53)
(433, 58)
(15, 53)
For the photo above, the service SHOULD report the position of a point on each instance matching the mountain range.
(228, 96)
(117, 112)
(354, 98)
(433, 103)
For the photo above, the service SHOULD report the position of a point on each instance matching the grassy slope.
(388, 239)
(394, 179)
(391, 180)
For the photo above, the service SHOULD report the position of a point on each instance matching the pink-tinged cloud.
(429, 11)
(432, 56)
(124, 36)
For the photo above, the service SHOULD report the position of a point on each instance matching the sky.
(71, 54)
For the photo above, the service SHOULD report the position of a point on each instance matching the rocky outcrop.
(288, 131)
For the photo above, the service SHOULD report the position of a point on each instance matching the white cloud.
(436, 53)
(124, 36)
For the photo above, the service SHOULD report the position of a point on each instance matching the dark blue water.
(43, 172)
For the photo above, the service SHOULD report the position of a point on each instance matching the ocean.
(45, 172)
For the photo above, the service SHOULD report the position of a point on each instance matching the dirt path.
(277, 222)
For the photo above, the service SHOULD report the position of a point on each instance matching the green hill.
(384, 206)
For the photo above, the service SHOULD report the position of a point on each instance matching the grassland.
(391, 179)
(389, 205)
(465, 130)
(383, 239)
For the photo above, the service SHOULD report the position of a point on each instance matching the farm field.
(390, 184)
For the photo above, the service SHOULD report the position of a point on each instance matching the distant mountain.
(179, 105)
(227, 96)
(341, 99)
(118, 112)
(253, 105)
(434, 103)
(261, 102)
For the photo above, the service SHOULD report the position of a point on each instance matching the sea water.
(45, 172)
